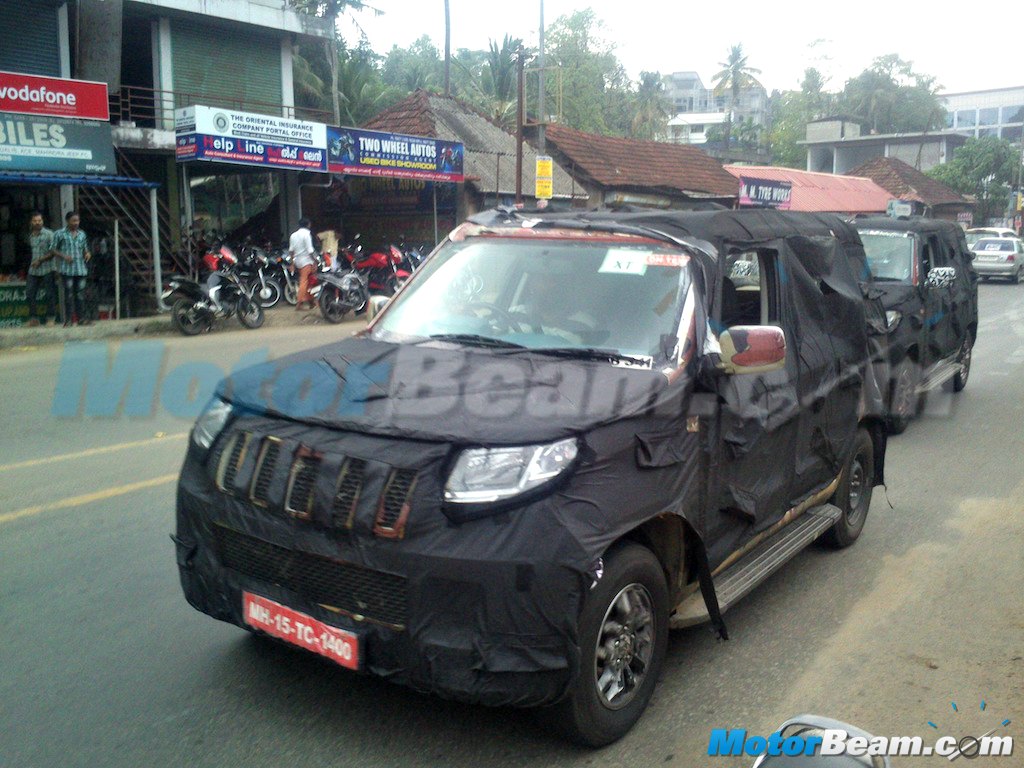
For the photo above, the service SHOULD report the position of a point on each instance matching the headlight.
(486, 475)
(210, 423)
(892, 319)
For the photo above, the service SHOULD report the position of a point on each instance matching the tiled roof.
(907, 183)
(649, 165)
(490, 163)
(822, 192)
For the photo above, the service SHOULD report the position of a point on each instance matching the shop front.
(54, 137)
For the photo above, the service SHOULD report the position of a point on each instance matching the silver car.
(999, 257)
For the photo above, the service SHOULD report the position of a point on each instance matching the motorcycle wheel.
(250, 313)
(291, 293)
(336, 302)
(187, 320)
(270, 295)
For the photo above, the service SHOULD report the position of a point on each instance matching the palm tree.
(652, 107)
(736, 75)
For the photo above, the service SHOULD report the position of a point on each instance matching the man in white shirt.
(300, 246)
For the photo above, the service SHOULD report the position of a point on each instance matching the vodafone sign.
(32, 95)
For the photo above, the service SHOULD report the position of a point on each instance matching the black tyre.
(187, 319)
(337, 301)
(1016, 278)
(904, 400)
(269, 295)
(853, 496)
(250, 313)
(960, 380)
(291, 293)
(623, 632)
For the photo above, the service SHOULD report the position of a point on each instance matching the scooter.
(195, 307)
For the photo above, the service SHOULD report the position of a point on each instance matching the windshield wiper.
(595, 353)
(475, 340)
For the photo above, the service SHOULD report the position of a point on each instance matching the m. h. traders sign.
(375, 153)
(765, 193)
(33, 95)
(55, 145)
(243, 138)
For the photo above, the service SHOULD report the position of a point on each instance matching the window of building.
(988, 116)
(949, 119)
(966, 118)
(983, 132)
(1013, 114)
(1011, 132)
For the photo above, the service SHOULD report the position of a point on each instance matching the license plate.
(301, 630)
(987, 257)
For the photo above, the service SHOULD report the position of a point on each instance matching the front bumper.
(485, 612)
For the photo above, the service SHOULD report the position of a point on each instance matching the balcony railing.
(148, 108)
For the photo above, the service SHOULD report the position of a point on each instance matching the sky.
(780, 38)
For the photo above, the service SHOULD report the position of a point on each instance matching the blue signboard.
(375, 153)
(29, 143)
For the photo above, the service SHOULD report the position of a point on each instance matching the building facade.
(838, 145)
(995, 112)
(688, 94)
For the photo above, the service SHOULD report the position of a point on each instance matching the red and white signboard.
(299, 629)
(33, 95)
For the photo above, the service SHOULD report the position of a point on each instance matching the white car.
(999, 257)
(974, 235)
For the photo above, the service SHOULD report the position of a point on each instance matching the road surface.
(104, 664)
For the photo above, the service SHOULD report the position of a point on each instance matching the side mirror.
(377, 303)
(940, 277)
(752, 349)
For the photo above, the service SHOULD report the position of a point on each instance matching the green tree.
(891, 97)
(418, 66)
(653, 108)
(984, 168)
(735, 75)
(791, 111)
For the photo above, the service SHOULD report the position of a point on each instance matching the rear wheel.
(250, 313)
(189, 320)
(904, 399)
(960, 380)
(269, 295)
(337, 301)
(853, 496)
(623, 632)
(291, 293)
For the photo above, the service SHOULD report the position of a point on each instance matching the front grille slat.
(259, 490)
(302, 484)
(393, 510)
(231, 459)
(346, 497)
(352, 589)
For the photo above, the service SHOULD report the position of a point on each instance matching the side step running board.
(942, 372)
(758, 564)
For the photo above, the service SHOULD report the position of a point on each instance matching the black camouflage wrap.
(487, 607)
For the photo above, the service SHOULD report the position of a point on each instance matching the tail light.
(1009, 257)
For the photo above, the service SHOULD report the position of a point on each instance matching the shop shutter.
(29, 38)
(216, 65)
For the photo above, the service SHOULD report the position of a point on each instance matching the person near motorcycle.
(300, 246)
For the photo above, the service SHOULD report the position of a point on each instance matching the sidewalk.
(281, 316)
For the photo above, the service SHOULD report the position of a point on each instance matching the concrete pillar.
(290, 209)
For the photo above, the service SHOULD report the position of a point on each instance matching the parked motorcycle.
(255, 270)
(380, 269)
(341, 293)
(194, 310)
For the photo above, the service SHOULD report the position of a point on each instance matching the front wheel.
(189, 320)
(623, 631)
(904, 399)
(291, 293)
(250, 313)
(853, 496)
(269, 295)
(337, 301)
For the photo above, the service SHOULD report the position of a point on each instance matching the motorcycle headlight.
(210, 423)
(484, 476)
(892, 319)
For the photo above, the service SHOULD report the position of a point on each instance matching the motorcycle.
(255, 269)
(380, 269)
(194, 309)
(341, 293)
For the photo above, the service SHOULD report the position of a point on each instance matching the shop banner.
(32, 95)
(54, 145)
(544, 181)
(375, 153)
(765, 193)
(243, 138)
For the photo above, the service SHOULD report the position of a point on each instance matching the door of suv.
(941, 338)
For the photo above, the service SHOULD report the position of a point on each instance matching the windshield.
(890, 255)
(540, 293)
(991, 244)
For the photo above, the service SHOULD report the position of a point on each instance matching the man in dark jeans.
(42, 270)
(72, 247)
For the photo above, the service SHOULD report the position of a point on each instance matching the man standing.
(41, 270)
(300, 246)
(72, 247)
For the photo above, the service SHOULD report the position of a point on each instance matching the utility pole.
(542, 114)
(447, 49)
(519, 125)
